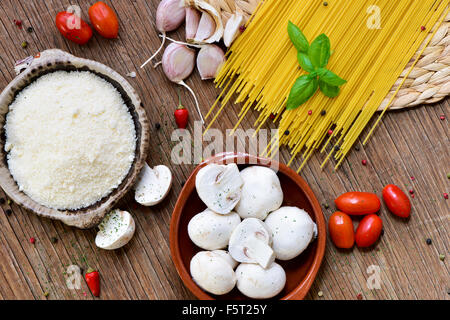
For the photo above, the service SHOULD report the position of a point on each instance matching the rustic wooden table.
(407, 143)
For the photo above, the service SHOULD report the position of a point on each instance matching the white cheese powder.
(71, 139)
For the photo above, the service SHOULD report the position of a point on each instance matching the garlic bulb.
(192, 21)
(209, 60)
(178, 63)
(169, 16)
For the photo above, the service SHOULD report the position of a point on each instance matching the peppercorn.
(412, 178)
(323, 112)
(326, 206)
(183, 183)
(272, 116)
(325, 4)
(330, 132)
(30, 29)
(320, 293)
(422, 28)
(337, 148)
(445, 195)
(54, 239)
(359, 296)
(357, 148)
(157, 126)
(364, 162)
(382, 232)
(442, 117)
(309, 112)
(8, 212)
(242, 28)
(24, 44)
(442, 257)
(32, 240)
(2, 201)
(448, 175)
(286, 132)
(411, 191)
(429, 241)
(46, 294)
(18, 23)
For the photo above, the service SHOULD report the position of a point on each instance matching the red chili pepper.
(181, 115)
(93, 281)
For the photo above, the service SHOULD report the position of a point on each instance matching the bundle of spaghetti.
(262, 67)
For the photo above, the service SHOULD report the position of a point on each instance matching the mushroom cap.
(212, 231)
(153, 185)
(227, 256)
(116, 230)
(261, 193)
(250, 228)
(219, 186)
(292, 231)
(212, 273)
(259, 283)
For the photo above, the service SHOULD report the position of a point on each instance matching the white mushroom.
(261, 193)
(212, 273)
(226, 255)
(292, 231)
(153, 185)
(116, 230)
(259, 283)
(211, 231)
(250, 243)
(219, 186)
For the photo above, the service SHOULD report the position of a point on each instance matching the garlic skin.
(192, 21)
(209, 60)
(169, 15)
(206, 7)
(178, 62)
(232, 29)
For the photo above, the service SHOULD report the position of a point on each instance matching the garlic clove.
(169, 15)
(206, 27)
(192, 21)
(178, 62)
(206, 7)
(232, 29)
(209, 60)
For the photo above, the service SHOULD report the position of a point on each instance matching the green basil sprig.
(313, 59)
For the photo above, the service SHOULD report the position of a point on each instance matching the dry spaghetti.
(372, 43)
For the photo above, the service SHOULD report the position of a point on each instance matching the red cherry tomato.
(341, 230)
(397, 201)
(73, 27)
(104, 20)
(358, 203)
(368, 231)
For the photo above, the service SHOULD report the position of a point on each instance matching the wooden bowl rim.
(53, 60)
(241, 158)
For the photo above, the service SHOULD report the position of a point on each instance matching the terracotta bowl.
(54, 60)
(300, 271)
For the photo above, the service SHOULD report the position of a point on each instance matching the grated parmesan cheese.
(71, 139)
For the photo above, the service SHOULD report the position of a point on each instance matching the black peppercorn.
(357, 148)
(30, 29)
(8, 212)
(323, 112)
(2, 201)
(157, 126)
(337, 148)
(54, 239)
(286, 132)
(429, 241)
(325, 3)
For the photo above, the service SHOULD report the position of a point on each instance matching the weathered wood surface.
(408, 143)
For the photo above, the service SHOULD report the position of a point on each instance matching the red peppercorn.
(242, 28)
(330, 132)
(412, 178)
(422, 28)
(309, 112)
(272, 116)
(359, 296)
(413, 196)
(411, 191)
(442, 117)
(445, 195)
(364, 162)
(18, 23)
(32, 240)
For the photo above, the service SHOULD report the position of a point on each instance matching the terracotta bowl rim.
(301, 290)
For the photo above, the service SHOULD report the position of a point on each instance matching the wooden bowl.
(300, 272)
(53, 60)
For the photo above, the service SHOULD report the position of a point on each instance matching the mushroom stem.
(157, 51)
(182, 83)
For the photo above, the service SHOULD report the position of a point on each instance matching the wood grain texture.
(407, 143)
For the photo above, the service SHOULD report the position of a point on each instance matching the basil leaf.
(303, 89)
(330, 77)
(305, 62)
(328, 90)
(297, 37)
(319, 52)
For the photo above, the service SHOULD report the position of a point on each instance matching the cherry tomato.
(104, 20)
(368, 231)
(73, 27)
(397, 201)
(341, 230)
(358, 203)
